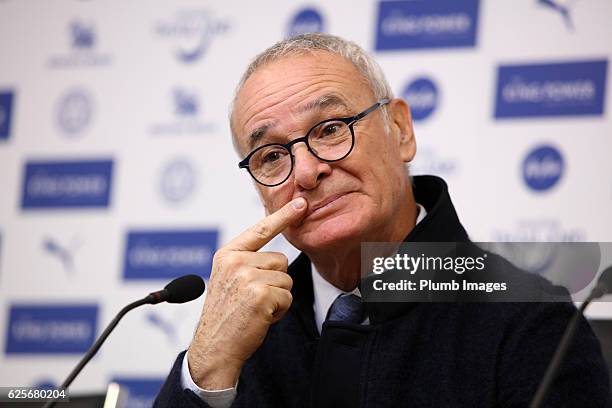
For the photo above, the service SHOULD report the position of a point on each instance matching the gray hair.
(307, 43)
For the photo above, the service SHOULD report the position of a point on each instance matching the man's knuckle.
(278, 260)
(261, 231)
(259, 294)
(245, 274)
(282, 258)
(288, 282)
(223, 257)
(284, 263)
(229, 263)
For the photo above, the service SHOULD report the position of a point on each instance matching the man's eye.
(330, 129)
(273, 156)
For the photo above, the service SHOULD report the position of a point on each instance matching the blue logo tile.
(141, 392)
(169, 254)
(67, 184)
(51, 329)
(6, 111)
(421, 24)
(558, 89)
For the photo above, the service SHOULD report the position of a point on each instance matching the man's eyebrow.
(257, 134)
(322, 102)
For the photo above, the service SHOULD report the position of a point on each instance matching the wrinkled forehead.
(292, 85)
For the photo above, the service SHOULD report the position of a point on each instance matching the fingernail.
(299, 203)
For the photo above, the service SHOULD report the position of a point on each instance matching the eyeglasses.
(330, 140)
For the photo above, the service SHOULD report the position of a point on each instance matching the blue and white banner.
(118, 172)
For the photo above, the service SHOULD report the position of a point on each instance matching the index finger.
(261, 233)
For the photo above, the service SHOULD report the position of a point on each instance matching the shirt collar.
(325, 293)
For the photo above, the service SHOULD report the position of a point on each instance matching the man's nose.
(308, 169)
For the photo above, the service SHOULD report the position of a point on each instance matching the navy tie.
(347, 307)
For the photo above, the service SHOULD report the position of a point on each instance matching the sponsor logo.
(308, 20)
(44, 384)
(167, 325)
(6, 109)
(67, 184)
(419, 24)
(83, 35)
(429, 161)
(191, 33)
(562, 7)
(74, 112)
(560, 89)
(51, 329)
(178, 181)
(185, 102)
(141, 392)
(169, 254)
(83, 43)
(542, 168)
(64, 254)
(422, 97)
(186, 109)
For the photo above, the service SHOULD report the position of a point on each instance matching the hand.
(247, 292)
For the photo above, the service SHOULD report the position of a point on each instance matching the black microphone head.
(605, 280)
(185, 289)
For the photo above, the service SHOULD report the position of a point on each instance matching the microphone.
(603, 287)
(180, 290)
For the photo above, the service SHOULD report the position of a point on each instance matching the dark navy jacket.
(415, 354)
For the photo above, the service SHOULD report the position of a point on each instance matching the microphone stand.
(96, 346)
(566, 341)
(180, 290)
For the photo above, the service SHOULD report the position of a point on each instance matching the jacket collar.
(441, 224)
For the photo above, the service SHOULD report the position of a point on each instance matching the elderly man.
(326, 143)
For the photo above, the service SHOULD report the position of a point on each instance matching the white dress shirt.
(324, 295)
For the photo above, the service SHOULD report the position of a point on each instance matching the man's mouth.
(328, 204)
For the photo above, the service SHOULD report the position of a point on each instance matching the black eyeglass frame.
(349, 121)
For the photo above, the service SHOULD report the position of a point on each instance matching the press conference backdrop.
(117, 172)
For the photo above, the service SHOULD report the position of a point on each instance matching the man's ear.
(401, 128)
